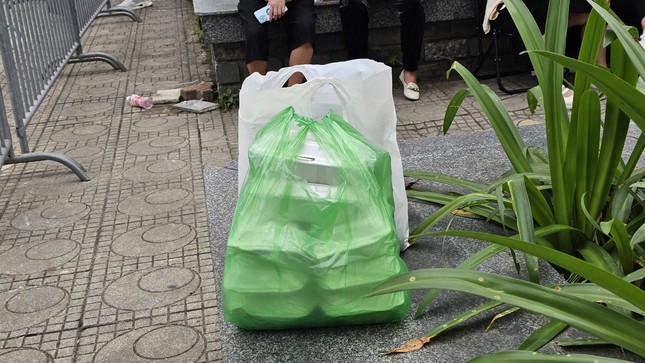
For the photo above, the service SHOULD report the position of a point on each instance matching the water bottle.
(139, 101)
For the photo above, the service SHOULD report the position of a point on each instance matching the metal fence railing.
(5, 134)
(37, 39)
(85, 11)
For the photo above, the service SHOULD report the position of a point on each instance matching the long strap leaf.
(590, 272)
(590, 317)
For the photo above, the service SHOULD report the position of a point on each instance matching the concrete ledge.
(220, 21)
(450, 34)
(459, 155)
(476, 156)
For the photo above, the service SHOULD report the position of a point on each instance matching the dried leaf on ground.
(410, 345)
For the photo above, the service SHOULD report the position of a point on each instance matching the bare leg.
(300, 55)
(257, 66)
(410, 76)
(577, 19)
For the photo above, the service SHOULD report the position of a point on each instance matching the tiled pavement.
(119, 269)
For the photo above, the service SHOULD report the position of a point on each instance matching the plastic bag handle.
(343, 90)
(281, 77)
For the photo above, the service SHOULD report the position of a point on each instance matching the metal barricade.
(85, 11)
(37, 39)
(5, 134)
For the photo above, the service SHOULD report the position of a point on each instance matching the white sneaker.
(134, 4)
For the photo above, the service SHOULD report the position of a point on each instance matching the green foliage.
(229, 99)
(197, 29)
(581, 207)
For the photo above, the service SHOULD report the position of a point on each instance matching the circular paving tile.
(86, 153)
(22, 355)
(88, 109)
(93, 92)
(167, 343)
(27, 307)
(80, 133)
(61, 183)
(158, 124)
(49, 216)
(38, 256)
(151, 288)
(96, 80)
(157, 145)
(156, 170)
(155, 202)
(153, 240)
(159, 73)
(158, 61)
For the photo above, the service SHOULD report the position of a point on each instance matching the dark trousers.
(299, 23)
(354, 17)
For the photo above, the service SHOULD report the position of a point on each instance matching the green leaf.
(638, 237)
(597, 256)
(592, 318)
(461, 318)
(484, 211)
(543, 335)
(484, 254)
(633, 49)
(585, 149)
(534, 357)
(594, 293)
(635, 276)
(499, 118)
(534, 98)
(453, 108)
(540, 208)
(458, 202)
(522, 208)
(628, 98)
(581, 342)
(609, 281)
(445, 179)
(618, 232)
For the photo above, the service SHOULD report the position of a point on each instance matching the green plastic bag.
(313, 230)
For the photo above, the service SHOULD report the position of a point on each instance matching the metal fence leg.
(69, 162)
(98, 56)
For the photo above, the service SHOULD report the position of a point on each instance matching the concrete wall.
(451, 34)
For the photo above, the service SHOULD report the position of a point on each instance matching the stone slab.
(476, 156)
(164, 96)
(196, 106)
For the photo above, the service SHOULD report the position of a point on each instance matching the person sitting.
(299, 20)
(354, 18)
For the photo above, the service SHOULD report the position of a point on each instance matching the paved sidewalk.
(119, 269)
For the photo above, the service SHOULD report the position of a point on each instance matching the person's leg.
(412, 17)
(257, 42)
(354, 17)
(300, 24)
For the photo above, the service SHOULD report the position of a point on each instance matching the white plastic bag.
(358, 90)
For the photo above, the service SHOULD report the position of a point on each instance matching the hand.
(276, 9)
